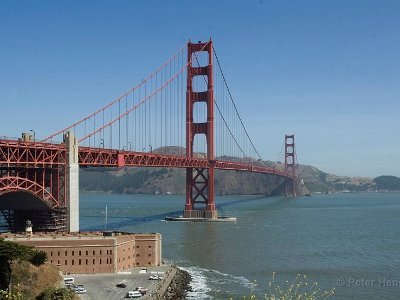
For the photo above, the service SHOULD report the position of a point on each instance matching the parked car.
(80, 290)
(69, 281)
(133, 294)
(141, 290)
(155, 277)
(121, 285)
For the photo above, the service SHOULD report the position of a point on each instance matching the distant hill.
(168, 180)
(386, 182)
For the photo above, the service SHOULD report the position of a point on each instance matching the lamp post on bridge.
(151, 148)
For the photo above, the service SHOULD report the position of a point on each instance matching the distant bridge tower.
(290, 164)
(200, 181)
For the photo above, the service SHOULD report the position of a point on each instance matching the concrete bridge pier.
(72, 181)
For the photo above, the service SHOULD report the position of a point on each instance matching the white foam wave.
(198, 284)
(203, 278)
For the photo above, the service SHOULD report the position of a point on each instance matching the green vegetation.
(10, 252)
(15, 260)
(387, 183)
(6, 295)
(298, 289)
(57, 294)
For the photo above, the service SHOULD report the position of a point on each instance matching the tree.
(38, 258)
(10, 251)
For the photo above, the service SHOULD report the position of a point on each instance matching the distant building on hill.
(94, 252)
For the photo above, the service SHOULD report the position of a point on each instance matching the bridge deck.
(37, 154)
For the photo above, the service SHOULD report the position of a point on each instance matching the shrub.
(38, 258)
(57, 294)
(5, 295)
(298, 289)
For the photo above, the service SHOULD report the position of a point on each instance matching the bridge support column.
(290, 165)
(200, 181)
(72, 181)
(200, 191)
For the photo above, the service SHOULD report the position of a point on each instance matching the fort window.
(58, 253)
(72, 262)
(66, 253)
(93, 260)
(80, 253)
(79, 261)
(110, 252)
(100, 260)
(149, 254)
(65, 262)
(73, 253)
(94, 252)
(51, 253)
(101, 252)
(86, 261)
(87, 252)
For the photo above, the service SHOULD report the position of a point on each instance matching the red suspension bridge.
(181, 116)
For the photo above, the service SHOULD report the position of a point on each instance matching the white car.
(133, 294)
(80, 290)
(155, 277)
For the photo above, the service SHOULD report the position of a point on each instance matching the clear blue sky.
(328, 71)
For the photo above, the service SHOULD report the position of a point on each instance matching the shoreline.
(174, 285)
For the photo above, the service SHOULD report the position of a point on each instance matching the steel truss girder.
(13, 184)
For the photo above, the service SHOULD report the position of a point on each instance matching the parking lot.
(103, 286)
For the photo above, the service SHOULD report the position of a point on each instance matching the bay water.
(346, 241)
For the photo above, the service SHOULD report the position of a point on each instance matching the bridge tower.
(290, 164)
(200, 181)
(72, 181)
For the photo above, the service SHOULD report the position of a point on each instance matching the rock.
(179, 286)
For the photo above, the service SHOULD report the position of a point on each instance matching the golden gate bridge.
(184, 106)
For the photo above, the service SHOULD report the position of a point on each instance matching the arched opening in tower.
(17, 207)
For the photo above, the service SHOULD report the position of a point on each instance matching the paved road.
(102, 286)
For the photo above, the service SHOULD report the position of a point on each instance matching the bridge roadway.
(37, 154)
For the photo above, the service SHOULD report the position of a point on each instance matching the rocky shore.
(179, 285)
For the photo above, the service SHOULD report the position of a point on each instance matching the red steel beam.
(97, 157)
(31, 154)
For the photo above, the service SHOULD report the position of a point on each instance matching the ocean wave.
(198, 284)
(206, 280)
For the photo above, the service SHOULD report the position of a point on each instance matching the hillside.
(168, 180)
